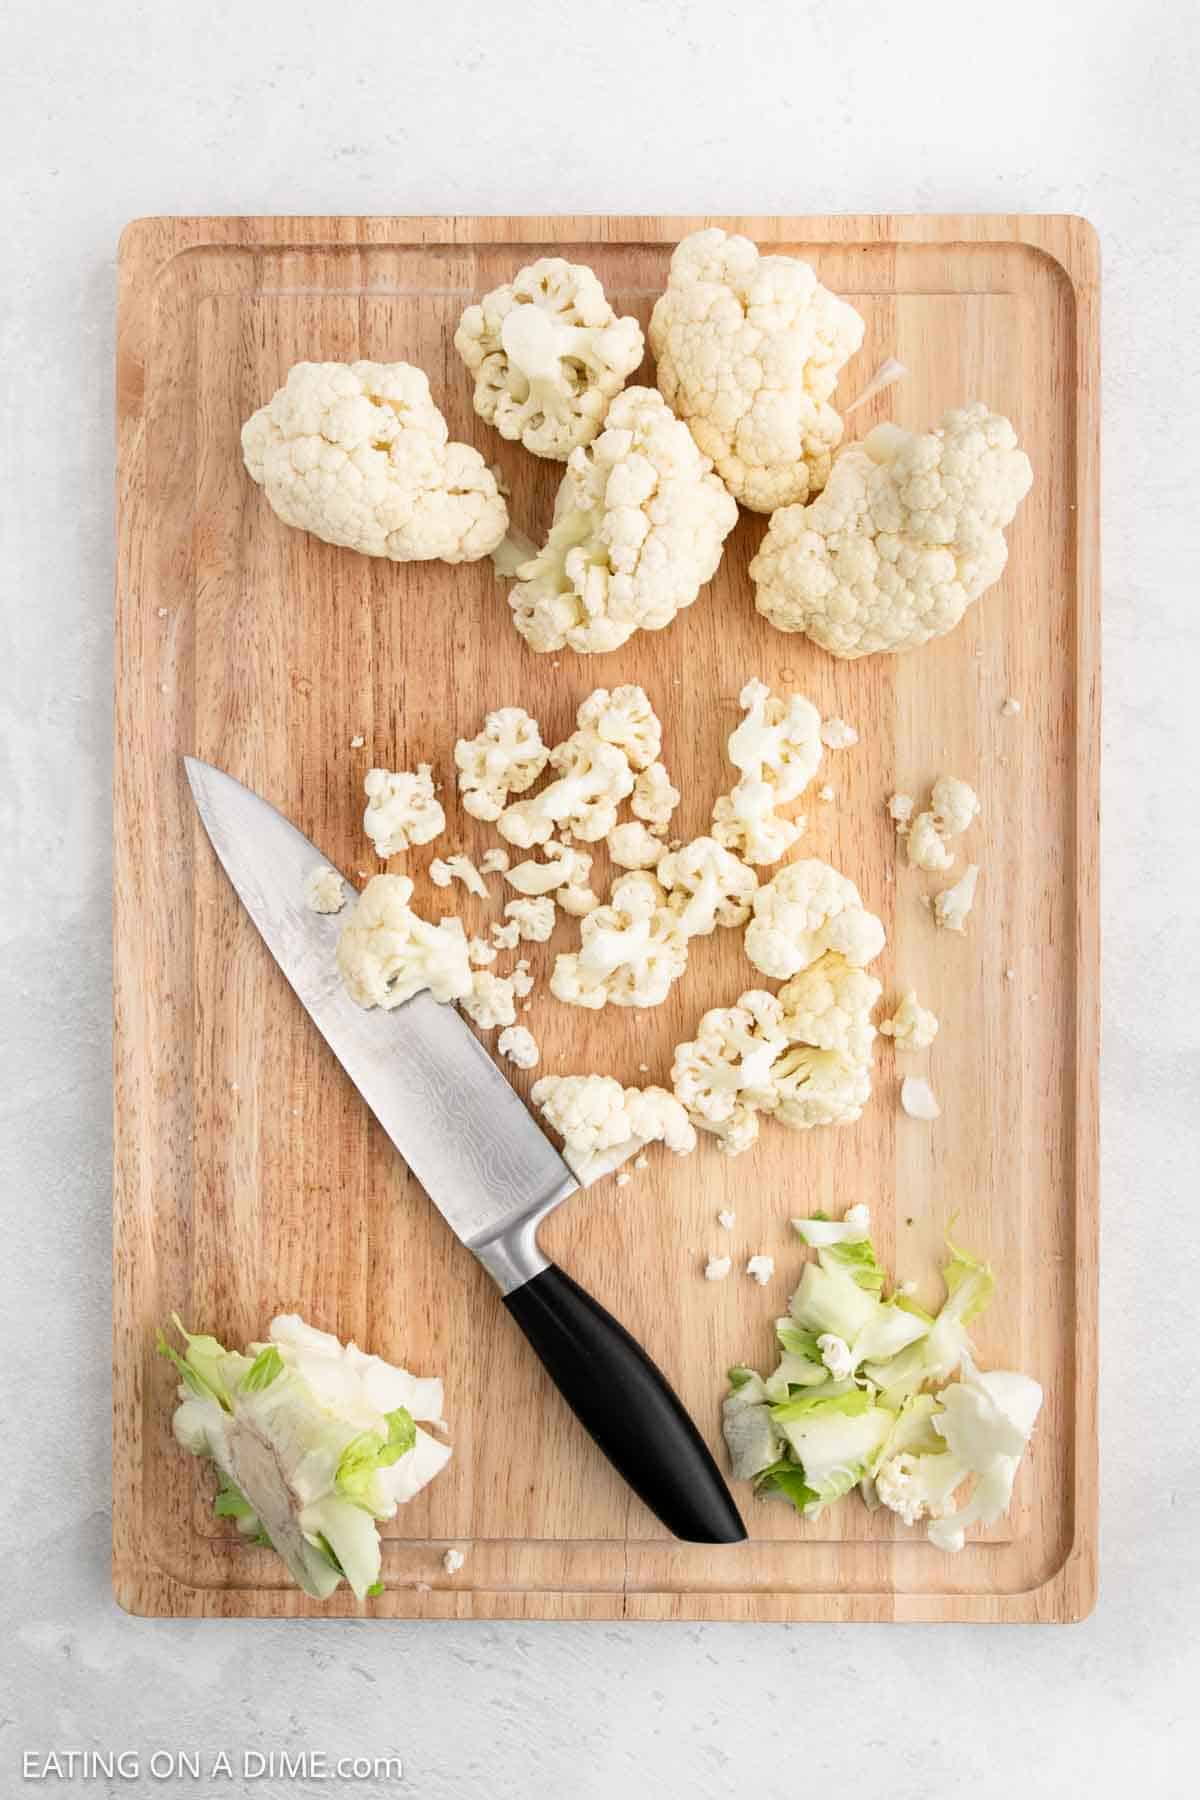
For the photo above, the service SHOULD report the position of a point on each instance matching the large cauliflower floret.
(829, 1006)
(708, 886)
(630, 950)
(749, 349)
(909, 531)
(593, 778)
(386, 954)
(548, 353)
(624, 718)
(358, 454)
(723, 1077)
(807, 909)
(402, 809)
(505, 758)
(638, 527)
(602, 1124)
(819, 1087)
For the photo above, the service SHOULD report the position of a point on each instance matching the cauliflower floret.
(602, 1124)
(919, 1486)
(386, 954)
(723, 1077)
(819, 1087)
(490, 1001)
(402, 809)
(444, 870)
(634, 846)
(654, 797)
(520, 1047)
(522, 980)
(481, 952)
(494, 861)
(324, 890)
(746, 822)
(955, 804)
(708, 886)
(534, 918)
(638, 527)
(838, 735)
(909, 531)
(624, 718)
(507, 936)
(630, 950)
(927, 848)
(951, 906)
(566, 866)
(807, 909)
(548, 353)
(749, 349)
(829, 1006)
(912, 1026)
(505, 758)
(778, 741)
(594, 778)
(357, 453)
(576, 900)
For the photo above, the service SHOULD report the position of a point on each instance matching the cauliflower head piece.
(602, 1124)
(505, 758)
(402, 809)
(707, 886)
(548, 353)
(639, 523)
(749, 349)
(359, 455)
(630, 950)
(386, 954)
(724, 1075)
(593, 778)
(907, 534)
(807, 909)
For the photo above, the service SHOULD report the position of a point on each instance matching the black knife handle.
(628, 1406)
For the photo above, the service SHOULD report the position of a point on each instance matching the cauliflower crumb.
(761, 1269)
(912, 1026)
(534, 918)
(357, 741)
(453, 1561)
(837, 735)
(459, 867)
(901, 807)
(951, 906)
(519, 1045)
(641, 1162)
(825, 793)
(836, 1354)
(927, 848)
(1010, 974)
(324, 890)
(522, 980)
(717, 1268)
(402, 809)
(726, 1220)
(624, 1178)
(918, 1098)
(1011, 708)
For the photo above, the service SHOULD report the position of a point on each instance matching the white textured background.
(116, 109)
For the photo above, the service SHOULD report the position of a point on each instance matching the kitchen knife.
(482, 1159)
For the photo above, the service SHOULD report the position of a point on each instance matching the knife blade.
(480, 1156)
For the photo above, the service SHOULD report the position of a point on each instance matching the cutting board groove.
(248, 1178)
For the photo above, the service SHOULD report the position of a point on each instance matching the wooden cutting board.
(249, 1178)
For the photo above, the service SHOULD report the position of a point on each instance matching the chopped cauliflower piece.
(480, 952)
(954, 804)
(494, 862)
(724, 1076)
(745, 821)
(901, 808)
(593, 778)
(444, 870)
(778, 741)
(386, 954)
(838, 735)
(654, 797)
(749, 348)
(505, 758)
(453, 1561)
(522, 980)
(506, 936)
(836, 1354)
(927, 848)
(630, 950)
(533, 917)
(907, 534)
(829, 1006)
(919, 1486)
(519, 1045)
(324, 890)
(912, 1026)
(717, 1268)
(624, 718)
(603, 1124)
(707, 886)
(952, 905)
(918, 1098)
(634, 846)
(358, 454)
(806, 909)
(639, 524)
(402, 809)
(566, 866)
(548, 353)
(490, 1001)
(761, 1269)
(577, 900)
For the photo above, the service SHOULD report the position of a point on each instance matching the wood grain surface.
(249, 1177)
